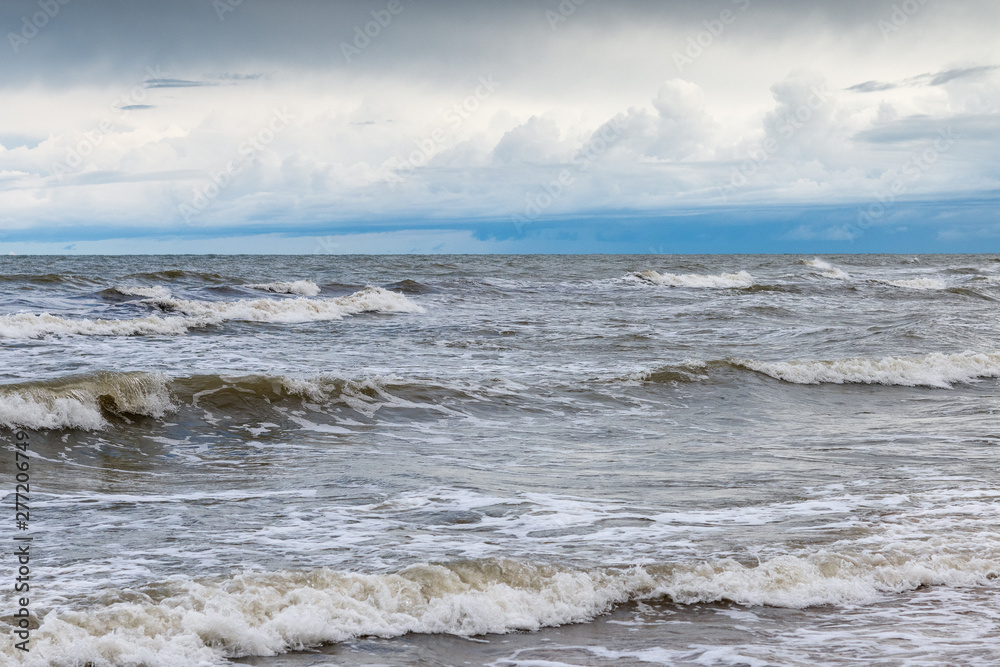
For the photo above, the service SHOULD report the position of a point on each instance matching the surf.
(191, 314)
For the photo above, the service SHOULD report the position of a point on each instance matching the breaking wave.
(187, 621)
(155, 292)
(30, 325)
(741, 279)
(195, 314)
(300, 287)
(368, 300)
(827, 270)
(937, 370)
(83, 402)
(931, 370)
(917, 283)
(86, 402)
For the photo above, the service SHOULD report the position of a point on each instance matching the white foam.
(269, 614)
(721, 281)
(78, 403)
(918, 283)
(300, 287)
(368, 300)
(828, 270)
(931, 370)
(30, 325)
(194, 314)
(266, 614)
(154, 292)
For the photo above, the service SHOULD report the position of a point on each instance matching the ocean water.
(506, 461)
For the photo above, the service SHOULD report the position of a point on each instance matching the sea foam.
(300, 287)
(931, 370)
(194, 314)
(368, 300)
(154, 292)
(187, 621)
(828, 270)
(82, 402)
(721, 281)
(917, 283)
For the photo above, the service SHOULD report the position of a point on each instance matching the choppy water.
(507, 460)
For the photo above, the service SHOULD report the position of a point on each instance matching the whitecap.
(300, 287)
(740, 279)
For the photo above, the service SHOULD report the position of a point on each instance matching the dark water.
(729, 460)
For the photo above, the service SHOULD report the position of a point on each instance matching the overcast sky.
(515, 126)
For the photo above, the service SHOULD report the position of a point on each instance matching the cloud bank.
(475, 126)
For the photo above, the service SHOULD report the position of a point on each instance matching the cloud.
(936, 79)
(536, 141)
(965, 127)
(942, 78)
(91, 137)
(176, 83)
(873, 86)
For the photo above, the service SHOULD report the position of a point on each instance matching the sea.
(513, 461)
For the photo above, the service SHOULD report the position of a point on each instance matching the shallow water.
(508, 460)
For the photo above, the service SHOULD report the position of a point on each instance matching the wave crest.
(368, 300)
(741, 279)
(86, 401)
(937, 370)
(83, 402)
(195, 314)
(827, 270)
(917, 283)
(154, 292)
(931, 370)
(300, 287)
(184, 621)
(30, 325)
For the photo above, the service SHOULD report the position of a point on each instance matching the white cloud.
(589, 97)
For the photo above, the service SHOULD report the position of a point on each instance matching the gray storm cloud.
(167, 107)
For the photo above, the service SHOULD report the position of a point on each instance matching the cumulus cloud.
(112, 120)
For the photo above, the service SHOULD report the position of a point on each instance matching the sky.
(475, 126)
